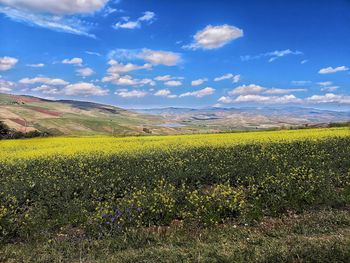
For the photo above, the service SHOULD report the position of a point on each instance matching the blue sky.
(134, 53)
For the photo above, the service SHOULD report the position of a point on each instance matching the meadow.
(109, 188)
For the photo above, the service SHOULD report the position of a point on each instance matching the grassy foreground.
(105, 199)
(317, 236)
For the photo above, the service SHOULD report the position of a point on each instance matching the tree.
(4, 130)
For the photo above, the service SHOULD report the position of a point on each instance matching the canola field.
(105, 185)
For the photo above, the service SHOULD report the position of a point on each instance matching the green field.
(171, 197)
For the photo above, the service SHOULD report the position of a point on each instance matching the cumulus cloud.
(212, 37)
(274, 55)
(6, 86)
(332, 70)
(225, 100)
(45, 89)
(234, 78)
(173, 83)
(256, 89)
(165, 93)
(159, 57)
(39, 65)
(247, 89)
(84, 89)
(120, 68)
(155, 57)
(199, 93)
(117, 70)
(127, 80)
(85, 72)
(43, 80)
(163, 78)
(329, 98)
(268, 99)
(147, 16)
(73, 61)
(198, 82)
(282, 91)
(131, 93)
(7, 63)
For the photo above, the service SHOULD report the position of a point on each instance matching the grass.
(316, 236)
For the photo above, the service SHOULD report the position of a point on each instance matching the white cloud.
(282, 91)
(155, 57)
(247, 89)
(225, 100)
(304, 61)
(127, 80)
(329, 89)
(57, 7)
(212, 37)
(84, 89)
(120, 68)
(85, 72)
(235, 78)
(43, 80)
(7, 63)
(6, 86)
(165, 93)
(256, 89)
(159, 57)
(198, 82)
(148, 17)
(332, 70)
(71, 24)
(128, 25)
(199, 93)
(131, 94)
(39, 65)
(173, 83)
(325, 83)
(46, 89)
(268, 99)
(329, 98)
(163, 78)
(73, 61)
(272, 55)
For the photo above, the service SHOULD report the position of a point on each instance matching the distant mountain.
(26, 113)
(249, 118)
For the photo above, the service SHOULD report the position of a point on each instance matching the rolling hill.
(26, 113)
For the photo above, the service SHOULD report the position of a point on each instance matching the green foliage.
(7, 133)
(154, 181)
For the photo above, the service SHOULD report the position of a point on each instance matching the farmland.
(110, 188)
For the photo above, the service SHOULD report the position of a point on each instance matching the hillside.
(26, 113)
